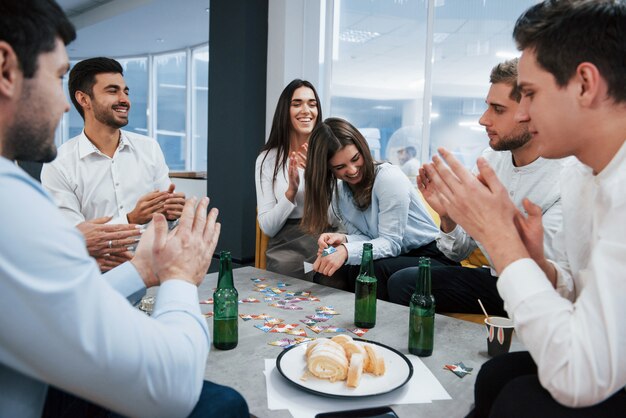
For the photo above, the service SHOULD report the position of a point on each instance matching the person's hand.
(173, 207)
(329, 264)
(147, 205)
(103, 238)
(431, 195)
(530, 229)
(294, 178)
(301, 155)
(108, 262)
(143, 257)
(485, 211)
(329, 239)
(186, 252)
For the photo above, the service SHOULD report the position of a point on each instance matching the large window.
(162, 106)
(171, 106)
(415, 73)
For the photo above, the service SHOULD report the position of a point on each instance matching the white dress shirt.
(63, 323)
(273, 207)
(578, 343)
(87, 184)
(537, 181)
(395, 222)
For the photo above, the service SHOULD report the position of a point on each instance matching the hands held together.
(329, 264)
(166, 202)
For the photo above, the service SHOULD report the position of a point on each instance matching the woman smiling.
(375, 202)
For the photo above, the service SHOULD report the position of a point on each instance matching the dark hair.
(326, 139)
(31, 27)
(411, 151)
(83, 77)
(506, 72)
(281, 125)
(566, 33)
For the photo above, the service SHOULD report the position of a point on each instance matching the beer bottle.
(365, 291)
(422, 313)
(225, 307)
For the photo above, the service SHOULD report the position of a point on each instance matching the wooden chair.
(260, 247)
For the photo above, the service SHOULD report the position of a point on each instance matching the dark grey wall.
(237, 79)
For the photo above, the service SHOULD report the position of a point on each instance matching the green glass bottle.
(365, 291)
(422, 313)
(225, 307)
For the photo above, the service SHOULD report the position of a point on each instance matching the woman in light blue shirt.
(376, 203)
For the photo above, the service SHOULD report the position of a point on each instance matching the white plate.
(291, 363)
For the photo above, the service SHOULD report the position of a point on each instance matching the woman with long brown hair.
(279, 179)
(376, 203)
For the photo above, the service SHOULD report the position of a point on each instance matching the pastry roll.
(328, 361)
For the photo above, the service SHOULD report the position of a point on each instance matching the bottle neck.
(225, 276)
(367, 264)
(423, 285)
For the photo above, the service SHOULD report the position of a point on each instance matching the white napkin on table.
(422, 388)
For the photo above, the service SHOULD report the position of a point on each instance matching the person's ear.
(592, 87)
(83, 99)
(10, 71)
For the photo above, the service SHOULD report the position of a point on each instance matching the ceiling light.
(357, 36)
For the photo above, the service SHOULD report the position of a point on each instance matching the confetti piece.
(320, 317)
(308, 322)
(315, 328)
(330, 329)
(208, 314)
(273, 321)
(281, 328)
(299, 332)
(257, 280)
(459, 369)
(250, 300)
(282, 284)
(208, 301)
(246, 317)
(261, 316)
(358, 331)
(313, 299)
(283, 342)
(263, 327)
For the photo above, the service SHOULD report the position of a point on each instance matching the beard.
(106, 116)
(514, 140)
(31, 136)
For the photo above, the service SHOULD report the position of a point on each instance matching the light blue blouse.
(396, 221)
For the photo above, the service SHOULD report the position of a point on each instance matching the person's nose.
(521, 115)
(484, 119)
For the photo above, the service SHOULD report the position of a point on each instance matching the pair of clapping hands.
(482, 206)
(111, 244)
(185, 252)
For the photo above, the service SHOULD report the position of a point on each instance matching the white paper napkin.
(422, 388)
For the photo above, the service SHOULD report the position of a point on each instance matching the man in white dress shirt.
(571, 75)
(104, 171)
(62, 323)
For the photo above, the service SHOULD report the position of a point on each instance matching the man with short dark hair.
(62, 323)
(515, 159)
(106, 174)
(571, 76)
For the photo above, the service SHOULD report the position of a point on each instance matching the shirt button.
(117, 184)
(121, 206)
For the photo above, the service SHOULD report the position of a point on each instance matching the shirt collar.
(86, 147)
